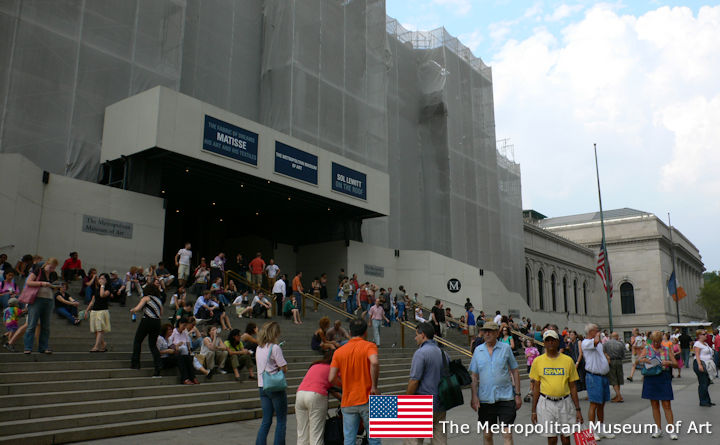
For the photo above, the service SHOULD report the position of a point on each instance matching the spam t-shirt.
(554, 374)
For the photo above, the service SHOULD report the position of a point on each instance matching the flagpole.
(608, 285)
(672, 255)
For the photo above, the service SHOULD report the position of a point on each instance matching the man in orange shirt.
(257, 267)
(357, 365)
(297, 289)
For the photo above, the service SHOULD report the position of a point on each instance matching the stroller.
(334, 428)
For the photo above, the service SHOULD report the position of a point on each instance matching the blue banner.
(230, 141)
(296, 163)
(349, 181)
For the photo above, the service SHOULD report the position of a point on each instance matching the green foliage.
(710, 296)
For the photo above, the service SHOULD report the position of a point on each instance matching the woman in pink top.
(311, 402)
(531, 353)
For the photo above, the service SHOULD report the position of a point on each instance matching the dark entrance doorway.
(219, 209)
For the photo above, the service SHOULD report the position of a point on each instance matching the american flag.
(401, 416)
(600, 269)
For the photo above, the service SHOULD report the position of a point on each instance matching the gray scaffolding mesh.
(336, 73)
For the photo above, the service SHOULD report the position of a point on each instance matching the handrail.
(323, 303)
(332, 307)
(512, 331)
(441, 340)
(346, 314)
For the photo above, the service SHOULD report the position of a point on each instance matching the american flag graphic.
(600, 269)
(401, 416)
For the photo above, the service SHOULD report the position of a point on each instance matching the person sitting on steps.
(239, 356)
(290, 310)
(319, 342)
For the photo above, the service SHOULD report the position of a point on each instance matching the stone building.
(639, 251)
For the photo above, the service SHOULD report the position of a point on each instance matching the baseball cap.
(551, 333)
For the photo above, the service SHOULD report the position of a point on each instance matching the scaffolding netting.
(339, 74)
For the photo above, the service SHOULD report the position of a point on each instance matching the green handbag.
(449, 389)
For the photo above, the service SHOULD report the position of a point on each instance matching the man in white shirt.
(279, 291)
(271, 271)
(182, 261)
(597, 367)
(260, 305)
(498, 318)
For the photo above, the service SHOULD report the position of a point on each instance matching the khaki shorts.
(549, 412)
(100, 321)
(615, 376)
(183, 271)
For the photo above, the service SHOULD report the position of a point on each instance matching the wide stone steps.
(74, 395)
(87, 426)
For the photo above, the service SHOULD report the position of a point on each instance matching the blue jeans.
(69, 313)
(717, 361)
(351, 304)
(703, 383)
(272, 403)
(376, 331)
(685, 356)
(298, 300)
(4, 298)
(351, 416)
(88, 294)
(40, 311)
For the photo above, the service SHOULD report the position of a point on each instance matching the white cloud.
(644, 88)
(459, 7)
(562, 12)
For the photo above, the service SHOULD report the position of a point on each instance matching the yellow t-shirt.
(554, 374)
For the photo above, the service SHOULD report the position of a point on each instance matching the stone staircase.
(73, 395)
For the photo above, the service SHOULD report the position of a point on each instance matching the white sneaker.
(597, 437)
(673, 436)
(608, 435)
(656, 434)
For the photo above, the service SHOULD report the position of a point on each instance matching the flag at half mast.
(603, 265)
(674, 289)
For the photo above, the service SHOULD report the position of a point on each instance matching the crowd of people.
(189, 336)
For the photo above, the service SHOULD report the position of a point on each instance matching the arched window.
(553, 292)
(565, 306)
(527, 285)
(575, 295)
(541, 294)
(585, 296)
(627, 298)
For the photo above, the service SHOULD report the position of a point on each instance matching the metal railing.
(319, 301)
(442, 341)
(234, 275)
(463, 324)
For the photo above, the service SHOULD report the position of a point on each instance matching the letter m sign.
(453, 285)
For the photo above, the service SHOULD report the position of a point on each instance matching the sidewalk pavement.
(633, 411)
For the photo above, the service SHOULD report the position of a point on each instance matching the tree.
(710, 296)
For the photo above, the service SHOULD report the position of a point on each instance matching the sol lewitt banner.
(349, 181)
(230, 141)
(298, 164)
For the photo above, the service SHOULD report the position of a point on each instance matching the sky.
(641, 79)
